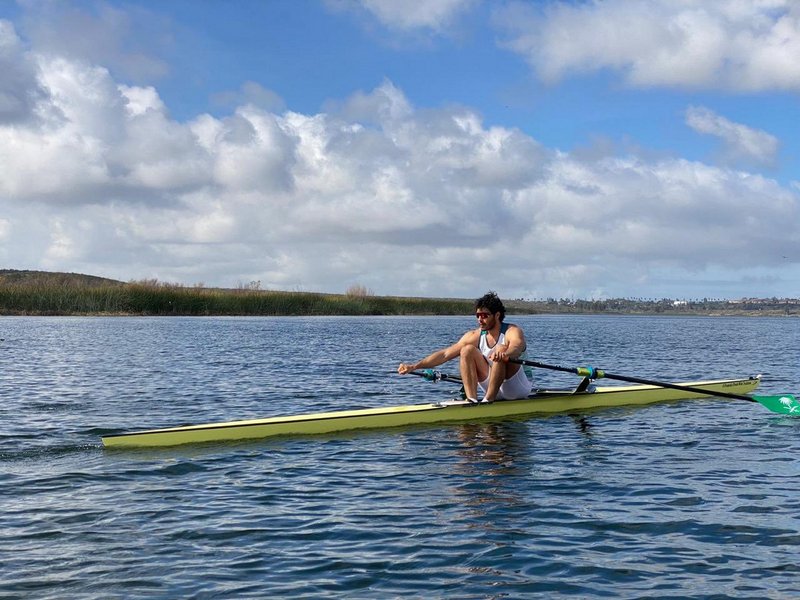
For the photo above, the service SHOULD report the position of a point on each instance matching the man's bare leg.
(473, 369)
(497, 376)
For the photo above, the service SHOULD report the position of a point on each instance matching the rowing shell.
(541, 402)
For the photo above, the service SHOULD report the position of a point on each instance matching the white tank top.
(483, 345)
(486, 350)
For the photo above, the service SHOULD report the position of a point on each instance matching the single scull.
(541, 402)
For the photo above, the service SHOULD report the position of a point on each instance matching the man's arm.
(440, 356)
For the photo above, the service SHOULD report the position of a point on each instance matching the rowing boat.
(541, 402)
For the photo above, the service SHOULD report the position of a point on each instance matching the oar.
(435, 376)
(785, 404)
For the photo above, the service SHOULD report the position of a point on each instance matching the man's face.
(486, 319)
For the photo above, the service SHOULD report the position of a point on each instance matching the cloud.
(742, 46)
(128, 42)
(742, 144)
(434, 16)
(250, 92)
(375, 190)
(19, 86)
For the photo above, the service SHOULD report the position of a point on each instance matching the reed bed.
(158, 299)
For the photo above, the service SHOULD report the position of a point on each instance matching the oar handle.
(593, 373)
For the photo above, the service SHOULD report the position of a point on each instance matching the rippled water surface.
(694, 499)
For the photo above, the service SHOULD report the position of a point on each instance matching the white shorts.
(518, 386)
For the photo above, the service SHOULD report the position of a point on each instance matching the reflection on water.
(493, 447)
(499, 455)
(583, 424)
(491, 463)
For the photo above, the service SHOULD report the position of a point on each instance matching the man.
(484, 354)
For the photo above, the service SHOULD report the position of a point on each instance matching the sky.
(443, 148)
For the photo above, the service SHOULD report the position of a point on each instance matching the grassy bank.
(44, 293)
(156, 299)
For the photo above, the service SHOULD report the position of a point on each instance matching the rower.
(486, 355)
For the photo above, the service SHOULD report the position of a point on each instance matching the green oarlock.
(590, 372)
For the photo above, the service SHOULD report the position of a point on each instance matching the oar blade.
(785, 404)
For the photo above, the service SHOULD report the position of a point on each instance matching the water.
(694, 499)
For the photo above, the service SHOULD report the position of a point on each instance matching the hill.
(70, 280)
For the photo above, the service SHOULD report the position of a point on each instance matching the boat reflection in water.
(494, 458)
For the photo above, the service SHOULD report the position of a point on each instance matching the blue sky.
(543, 149)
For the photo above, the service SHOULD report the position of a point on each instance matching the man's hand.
(404, 368)
(500, 353)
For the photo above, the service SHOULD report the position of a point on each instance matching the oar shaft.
(431, 375)
(598, 373)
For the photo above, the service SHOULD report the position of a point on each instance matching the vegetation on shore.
(43, 293)
(40, 293)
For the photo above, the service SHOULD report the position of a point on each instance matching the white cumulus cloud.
(728, 44)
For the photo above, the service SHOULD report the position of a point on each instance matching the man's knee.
(470, 352)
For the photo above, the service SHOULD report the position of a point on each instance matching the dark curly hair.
(492, 303)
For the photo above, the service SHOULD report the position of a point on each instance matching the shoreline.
(38, 293)
(4, 313)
